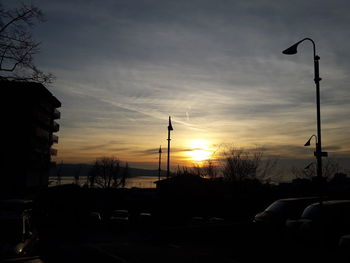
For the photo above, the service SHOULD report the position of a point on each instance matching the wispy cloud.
(216, 67)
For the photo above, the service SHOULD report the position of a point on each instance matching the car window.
(276, 207)
(288, 208)
(312, 212)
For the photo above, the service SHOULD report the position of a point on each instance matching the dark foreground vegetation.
(186, 219)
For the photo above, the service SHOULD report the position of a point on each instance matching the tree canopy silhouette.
(106, 173)
(17, 46)
(240, 164)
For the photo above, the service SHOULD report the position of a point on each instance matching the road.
(166, 244)
(219, 243)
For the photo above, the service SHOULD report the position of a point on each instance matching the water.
(140, 181)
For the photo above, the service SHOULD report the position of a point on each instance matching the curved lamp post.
(318, 153)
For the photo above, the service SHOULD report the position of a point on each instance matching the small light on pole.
(308, 166)
(159, 161)
(308, 143)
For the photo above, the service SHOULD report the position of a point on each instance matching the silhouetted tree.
(210, 169)
(329, 168)
(58, 174)
(91, 177)
(105, 173)
(196, 170)
(188, 171)
(77, 175)
(239, 164)
(340, 178)
(17, 46)
(207, 169)
(116, 177)
(125, 175)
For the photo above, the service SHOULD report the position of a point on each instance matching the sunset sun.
(199, 150)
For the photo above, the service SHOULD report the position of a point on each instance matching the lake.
(139, 181)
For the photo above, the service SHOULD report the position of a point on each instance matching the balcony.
(43, 119)
(53, 151)
(41, 133)
(56, 114)
(54, 139)
(55, 127)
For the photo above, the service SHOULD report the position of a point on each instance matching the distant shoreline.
(72, 170)
(136, 181)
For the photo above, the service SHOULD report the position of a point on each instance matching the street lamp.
(309, 140)
(318, 153)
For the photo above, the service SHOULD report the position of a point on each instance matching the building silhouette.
(29, 111)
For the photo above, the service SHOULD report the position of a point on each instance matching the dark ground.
(208, 242)
(172, 235)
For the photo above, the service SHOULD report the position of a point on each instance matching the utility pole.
(170, 128)
(160, 160)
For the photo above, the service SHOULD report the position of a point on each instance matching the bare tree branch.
(239, 164)
(17, 47)
(105, 173)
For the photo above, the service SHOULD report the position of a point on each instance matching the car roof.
(299, 198)
(333, 202)
(330, 204)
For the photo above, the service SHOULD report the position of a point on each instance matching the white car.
(18, 237)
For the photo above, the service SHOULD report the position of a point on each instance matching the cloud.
(216, 67)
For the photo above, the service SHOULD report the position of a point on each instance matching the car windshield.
(292, 207)
(10, 229)
(277, 207)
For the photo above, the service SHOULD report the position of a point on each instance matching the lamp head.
(292, 49)
(309, 140)
(308, 166)
(307, 143)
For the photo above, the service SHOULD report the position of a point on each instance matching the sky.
(216, 67)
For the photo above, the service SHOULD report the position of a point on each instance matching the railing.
(54, 139)
(42, 133)
(56, 114)
(53, 151)
(55, 127)
(43, 118)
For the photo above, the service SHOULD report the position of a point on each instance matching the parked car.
(322, 224)
(119, 220)
(343, 252)
(276, 214)
(344, 242)
(18, 236)
(120, 216)
(145, 218)
(198, 220)
(94, 219)
(216, 220)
